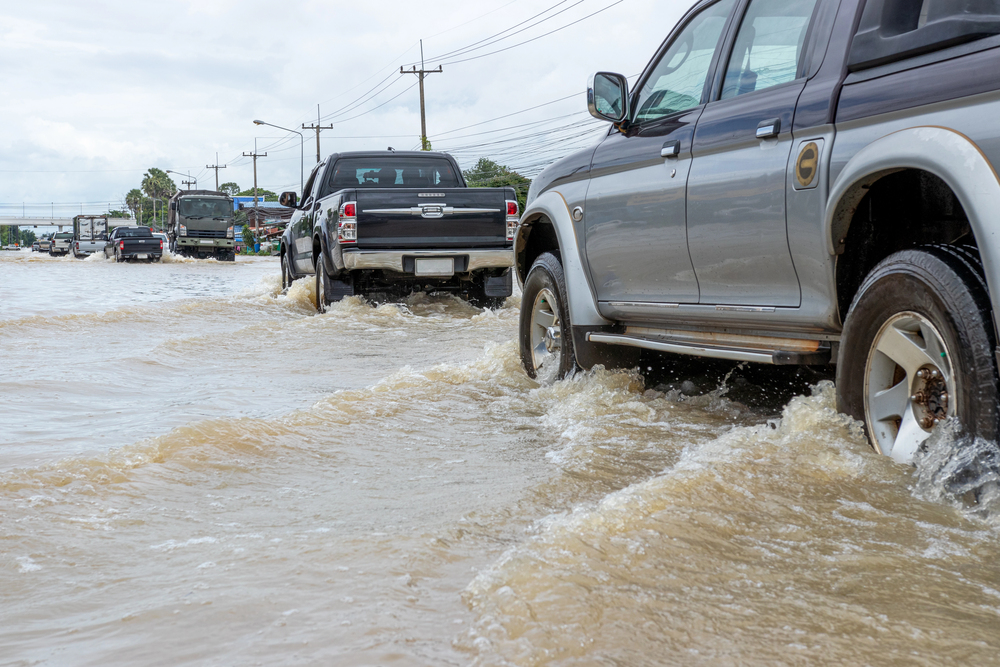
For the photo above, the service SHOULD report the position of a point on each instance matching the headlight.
(182, 230)
(230, 233)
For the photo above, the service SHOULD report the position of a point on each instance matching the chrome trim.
(675, 348)
(431, 194)
(392, 260)
(746, 309)
(430, 210)
(642, 304)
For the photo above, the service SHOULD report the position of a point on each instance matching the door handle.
(769, 129)
(671, 149)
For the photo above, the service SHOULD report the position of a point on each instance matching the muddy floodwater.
(196, 469)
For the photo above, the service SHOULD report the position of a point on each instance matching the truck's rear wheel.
(286, 273)
(321, 284)
(917, 349)
(545, 335)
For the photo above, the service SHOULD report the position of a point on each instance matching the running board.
(819, 354)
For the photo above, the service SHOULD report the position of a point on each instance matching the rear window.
(64, 235)
(138, 231)
(392, 172)
(892, 30)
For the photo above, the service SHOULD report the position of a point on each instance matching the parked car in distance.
(34, 247)
(130, 242)
(163, 237)
(12, 246)
(397, 222)
(61, 243)
(90, 234)
(789, 182)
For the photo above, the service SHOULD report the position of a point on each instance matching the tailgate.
(432, 218)
(142, 245)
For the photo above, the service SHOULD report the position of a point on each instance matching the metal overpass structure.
(35, 222)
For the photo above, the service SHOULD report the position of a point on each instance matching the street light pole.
(302, 152)
(193, 181)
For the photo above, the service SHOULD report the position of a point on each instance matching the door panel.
(636, 241)
(635, 227)
(737, 227)
(736, 202)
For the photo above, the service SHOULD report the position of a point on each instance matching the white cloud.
(96, 93)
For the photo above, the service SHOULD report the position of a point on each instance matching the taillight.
(347, 226)
(512, 220)
(161, 244)
(121, 245)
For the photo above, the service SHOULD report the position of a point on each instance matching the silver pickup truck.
(789, 182)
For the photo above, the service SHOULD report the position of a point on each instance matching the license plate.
(142, 256)
(206, 241)
(436, 267)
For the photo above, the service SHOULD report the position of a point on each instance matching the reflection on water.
(197, 469)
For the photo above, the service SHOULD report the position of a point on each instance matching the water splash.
(961, 471)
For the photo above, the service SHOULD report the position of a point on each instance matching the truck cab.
(201, 224)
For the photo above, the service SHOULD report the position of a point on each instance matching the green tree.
(262, 194)
(117, 214)
(27, 237)
(248, 238)
(157, 185)
(489, 174)
(230, 189)
(134, 201)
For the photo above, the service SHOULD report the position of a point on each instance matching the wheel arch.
(917, 169)
(547, 226)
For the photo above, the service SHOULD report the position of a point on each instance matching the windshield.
(134, 232)
(392, 172)
(192, 207)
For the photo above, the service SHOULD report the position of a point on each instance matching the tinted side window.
(768, 47)
(678, 80)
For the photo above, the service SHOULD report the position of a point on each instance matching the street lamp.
(302, 153)
(194, 181)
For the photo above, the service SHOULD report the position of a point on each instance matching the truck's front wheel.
(917, 349)
(545, 336)
(286, 274)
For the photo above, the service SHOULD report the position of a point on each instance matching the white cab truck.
(90, 234)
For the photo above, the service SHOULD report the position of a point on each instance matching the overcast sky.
(95, 93)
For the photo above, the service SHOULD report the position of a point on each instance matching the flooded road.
(197, 469)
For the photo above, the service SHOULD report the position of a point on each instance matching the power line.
(533, 39)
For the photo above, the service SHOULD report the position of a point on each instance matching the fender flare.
(582, 303)
(944, 152)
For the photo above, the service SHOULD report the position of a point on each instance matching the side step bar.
(818, 355)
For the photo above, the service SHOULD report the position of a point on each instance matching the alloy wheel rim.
(546, 336)
(910, 385)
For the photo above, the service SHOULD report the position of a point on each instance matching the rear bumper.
(394, 260)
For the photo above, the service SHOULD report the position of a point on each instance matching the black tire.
(286, 274)
(322, 283)
(546, 274)
(118, 257)
(944, 287)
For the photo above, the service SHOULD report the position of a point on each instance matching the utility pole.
(318, 129)
(255, 155)
(189, 183)
(421, 73)
(216, 167)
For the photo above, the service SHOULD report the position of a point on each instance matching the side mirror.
(288, 199)
(173, 206)
(607, 97)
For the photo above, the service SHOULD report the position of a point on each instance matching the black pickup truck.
(392, 223)
(128, 243)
